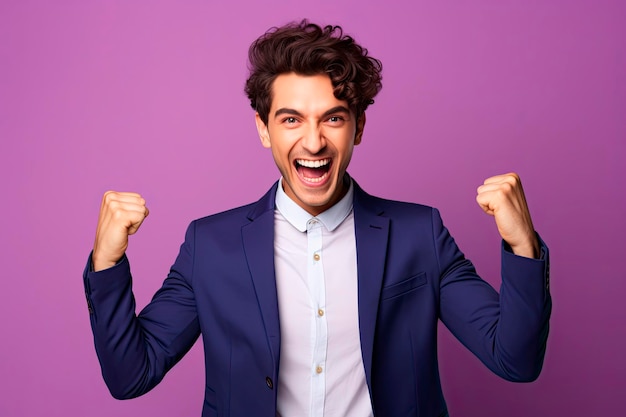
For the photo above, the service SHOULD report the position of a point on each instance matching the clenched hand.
(121, 215)
(502, 196)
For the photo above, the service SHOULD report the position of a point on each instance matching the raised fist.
(502, 196)
(121, 215)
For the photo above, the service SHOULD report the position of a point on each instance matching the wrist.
(99, 263)
(528, 249)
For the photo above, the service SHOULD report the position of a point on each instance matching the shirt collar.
(298, 217)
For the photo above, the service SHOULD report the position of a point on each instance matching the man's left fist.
(502, 196)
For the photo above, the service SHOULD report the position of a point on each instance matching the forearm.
(118, 337)
(525, 307)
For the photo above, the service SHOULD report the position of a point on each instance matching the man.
(318, 299)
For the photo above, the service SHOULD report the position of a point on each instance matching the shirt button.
(318, 369)
(269, 382)
(320, 312)
(316, 256)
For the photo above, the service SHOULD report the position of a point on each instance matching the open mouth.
(313, 171)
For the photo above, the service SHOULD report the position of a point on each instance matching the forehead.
(303, 93)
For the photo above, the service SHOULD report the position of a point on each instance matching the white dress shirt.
(321, 371)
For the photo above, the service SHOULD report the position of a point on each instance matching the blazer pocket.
(403, 287)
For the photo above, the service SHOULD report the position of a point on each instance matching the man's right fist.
(121, 214)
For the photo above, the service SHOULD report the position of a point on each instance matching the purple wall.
(147, 96)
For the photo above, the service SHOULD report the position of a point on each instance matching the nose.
(313, 140)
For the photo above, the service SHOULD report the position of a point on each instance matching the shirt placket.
(319, 330)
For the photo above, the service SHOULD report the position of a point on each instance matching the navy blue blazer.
(410, 274)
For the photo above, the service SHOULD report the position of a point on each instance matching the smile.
(313, 171)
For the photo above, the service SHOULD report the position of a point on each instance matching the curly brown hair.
(308, 49)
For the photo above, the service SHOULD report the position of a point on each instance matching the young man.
(318, 299)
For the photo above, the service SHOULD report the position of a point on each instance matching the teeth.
(314, 180)
(313, 164)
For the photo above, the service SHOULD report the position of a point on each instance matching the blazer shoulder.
(239, 216)
(391, 208)
(233, 215)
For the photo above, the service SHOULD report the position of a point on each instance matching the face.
(311, 135)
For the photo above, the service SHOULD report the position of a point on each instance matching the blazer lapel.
(372, 232)
(258, 245)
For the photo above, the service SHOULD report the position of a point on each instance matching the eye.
(336, 120)
(290, 120)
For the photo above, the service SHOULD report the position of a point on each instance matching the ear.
(360, 125)
(264, 134)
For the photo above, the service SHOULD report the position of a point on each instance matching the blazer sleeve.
(506, 331)
(135, 352)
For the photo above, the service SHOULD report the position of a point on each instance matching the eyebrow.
(336, 109)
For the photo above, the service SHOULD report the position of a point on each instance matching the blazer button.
(269, 382)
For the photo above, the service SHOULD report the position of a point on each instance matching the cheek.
(280, 153)
(343, 140)
(283, 140)
(347, 147)
(347, 157)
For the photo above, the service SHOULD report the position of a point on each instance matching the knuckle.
(118, 215)
(110, 196)
(513, 177)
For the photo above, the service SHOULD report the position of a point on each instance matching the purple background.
(147, 96)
